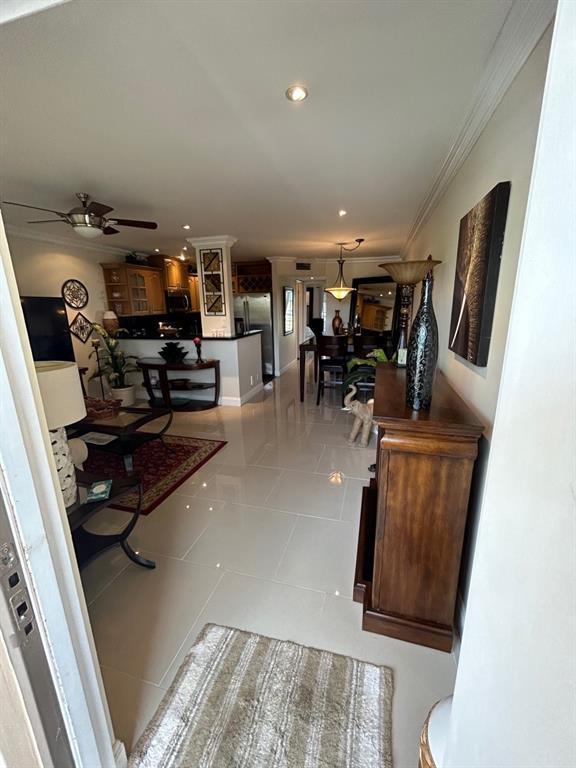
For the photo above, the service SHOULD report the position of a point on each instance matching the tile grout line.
(269, 494)
(109, 583)
(283, 555)
(200, 612)
(319, 460)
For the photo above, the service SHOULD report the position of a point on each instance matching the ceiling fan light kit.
(340, 290)
(89, 219)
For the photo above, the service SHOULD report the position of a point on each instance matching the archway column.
(214, 262)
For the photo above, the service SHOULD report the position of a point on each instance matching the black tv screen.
(47, 325)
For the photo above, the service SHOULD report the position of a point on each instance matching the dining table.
(311, 346)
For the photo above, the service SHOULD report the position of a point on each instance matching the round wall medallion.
(75, 294)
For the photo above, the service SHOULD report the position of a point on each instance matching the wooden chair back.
(333, 346)
(367, 343)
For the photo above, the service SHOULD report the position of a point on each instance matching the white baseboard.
(287, 367)
(238, 401)
(250, 394)
(119, 751)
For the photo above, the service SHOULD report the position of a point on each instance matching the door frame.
(38, 521)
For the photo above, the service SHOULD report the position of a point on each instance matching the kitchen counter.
(187, 336)
(240, 362)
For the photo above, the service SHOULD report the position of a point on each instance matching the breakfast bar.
(238, 373)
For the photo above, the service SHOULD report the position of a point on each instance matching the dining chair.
(367, 343)
(332, 352)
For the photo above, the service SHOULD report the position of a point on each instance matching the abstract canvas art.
(477, 268)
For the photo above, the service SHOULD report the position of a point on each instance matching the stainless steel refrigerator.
(256, 311)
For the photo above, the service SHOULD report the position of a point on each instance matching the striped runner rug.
(241, 700)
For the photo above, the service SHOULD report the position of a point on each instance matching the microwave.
(178, 300)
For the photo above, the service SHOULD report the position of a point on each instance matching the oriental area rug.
(162, 465)
(241, 700)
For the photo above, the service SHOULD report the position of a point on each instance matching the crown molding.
(41, 237)
(215, 241)
(523, 27)
(331, 260)
(361, 259)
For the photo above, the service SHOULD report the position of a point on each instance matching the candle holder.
(198, 345)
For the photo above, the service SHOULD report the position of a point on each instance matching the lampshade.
(409, 272)
(340, 290)
(110, 320)
(61, 392)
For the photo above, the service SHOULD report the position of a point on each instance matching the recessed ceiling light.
(389, 293)
(342, 212)
(185, 226)
(296, 93)
(185, 248)
(381, 295)
(156, 250)
(311, 278)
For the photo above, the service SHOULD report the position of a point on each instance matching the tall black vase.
(422, 351)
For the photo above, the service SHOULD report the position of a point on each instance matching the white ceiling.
(175, 112)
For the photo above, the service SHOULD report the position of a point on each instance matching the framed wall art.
(81, 327)
(75, 294)
(288, 303)
(212, 272)
(477, 267)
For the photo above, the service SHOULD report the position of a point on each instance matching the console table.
(167, 385)
(414, 513)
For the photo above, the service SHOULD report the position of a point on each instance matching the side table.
(167, 385)
(88, 545)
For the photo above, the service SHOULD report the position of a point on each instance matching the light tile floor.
(263, 538)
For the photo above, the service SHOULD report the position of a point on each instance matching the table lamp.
(63, 402)
(110, 321)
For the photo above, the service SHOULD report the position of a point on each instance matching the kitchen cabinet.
(374, 317)
(251, 277)
(176, 273)
(134, 290)
(155, 291)
(194, 293)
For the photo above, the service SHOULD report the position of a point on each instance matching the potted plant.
(363, 369)
(114, 364)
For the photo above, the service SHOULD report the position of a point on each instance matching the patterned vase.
(422, 351)
(336, 323)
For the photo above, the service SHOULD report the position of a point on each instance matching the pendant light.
(340, 290)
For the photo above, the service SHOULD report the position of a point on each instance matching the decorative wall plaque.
(81, 327)
(212, 267)
(75, 294)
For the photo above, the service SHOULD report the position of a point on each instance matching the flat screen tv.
(47, 325)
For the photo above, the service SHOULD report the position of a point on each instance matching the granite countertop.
(186, 337)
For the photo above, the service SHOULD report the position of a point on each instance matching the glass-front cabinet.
(134, 290)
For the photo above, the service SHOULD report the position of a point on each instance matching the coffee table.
(88, 545)
(124, 426)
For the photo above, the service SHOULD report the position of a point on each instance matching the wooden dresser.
(414, 513)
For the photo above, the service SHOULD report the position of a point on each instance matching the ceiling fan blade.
(48, 221)
(98, 209)
(35, 208)
(134, 223)
(110, 231)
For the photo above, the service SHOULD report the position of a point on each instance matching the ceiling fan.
(89, 219)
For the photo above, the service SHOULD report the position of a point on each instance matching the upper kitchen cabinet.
(134, 290)
(176, 274)
(252, 277)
